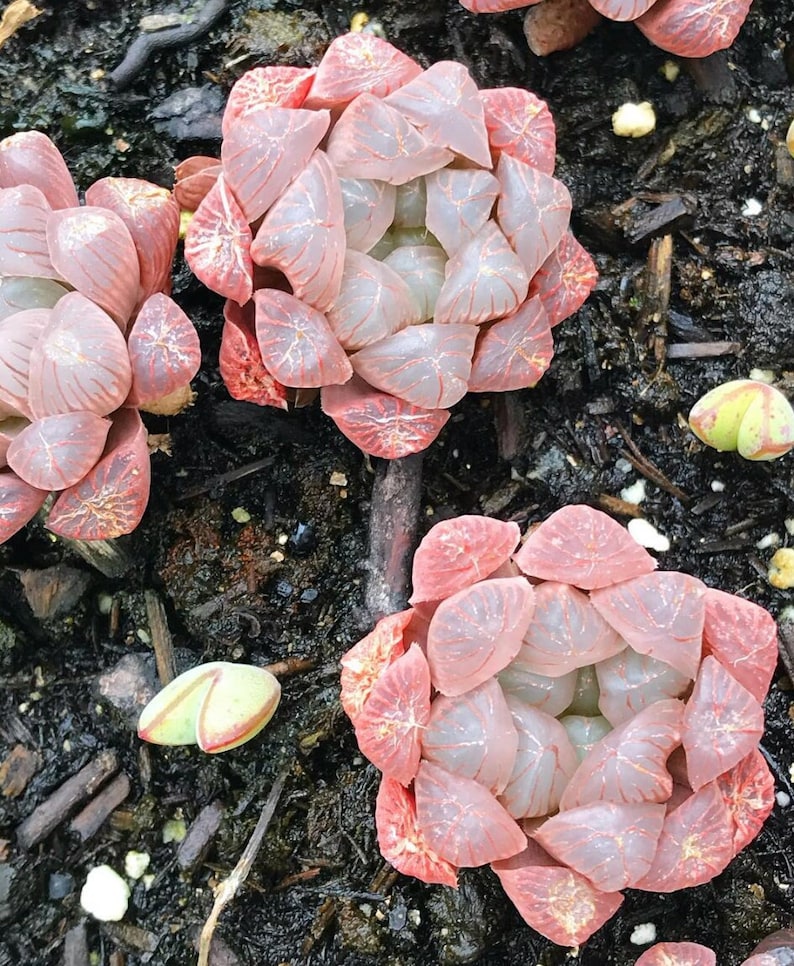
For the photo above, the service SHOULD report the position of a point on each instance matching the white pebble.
(717, 486)
(768, 540)
(754, 115)
(789, 525)
(643, 934)
(647, 535)
(752, 207)
(136, 863)
(762, 375)
(635, 493)
(634, 120)
(783, 799)
(105, 894)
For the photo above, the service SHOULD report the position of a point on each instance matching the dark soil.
(609, 393)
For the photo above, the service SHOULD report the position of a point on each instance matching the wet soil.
(289, 583)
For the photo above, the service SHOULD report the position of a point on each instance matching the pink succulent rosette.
(88, 336)
(565, 713)
(390, 236)
(686, 28)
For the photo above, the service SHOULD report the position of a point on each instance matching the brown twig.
(223, 478)
(162, 643)
(227, 890)
(393, 530)
(646, 468)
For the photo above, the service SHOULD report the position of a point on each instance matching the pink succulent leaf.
(369, 210)
(544, 763)
(630, 682)
(93, 250)
(694, 29)
(557, 902)
(485, 280)
(56, 452)
(164, 350)
(79, 362)
(422, 268)
(678, 954)
(425, 365)
(111, 500)
(584, 547)
(564, 280)
(193, 179)
(743, 638)
(218, 245)
(695, 845)
(660, 615)
(622, 9)
(612, 845)
(476, 632)
(297, 345)
(373, 140)
(778, 942)
(357, 62)
(18, 294)
(10, 428)
(520, 124)
(444, 105)
(152, 218)
(303, 234)
(240, 361)
(723, 723)
(566, 632)
(265, 150)
(533, 211)
(748, 789)
(19, 503)
(462, 821)
(23, 233)
(552, 695)
(364, 663)
(457, 553)
(275, 86)
(400, 837)
(494, 6)
(31, 158)
(394, 716)
(558, 25)
(459, 203)
(513, 352)
(19, 333)
(629, 764)
(373, 302)
(473, 736)
(379, 423)
(585, 731)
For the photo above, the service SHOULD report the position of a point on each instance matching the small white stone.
(762, 375)
(717, 486)
(635, 493)
(174, 830)
(752, 207)
(415, 917)
(646, 535)
(754, 115)
(105, 894)
(644, 933)
(768, 540)
(136, 863)
(634, 120)
(783, 799)
(623, 466)
(788, 523)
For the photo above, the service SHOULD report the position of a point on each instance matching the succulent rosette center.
(568, 715)
(390, 236)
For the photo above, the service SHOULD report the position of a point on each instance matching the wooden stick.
(161, 637)
(227, 890)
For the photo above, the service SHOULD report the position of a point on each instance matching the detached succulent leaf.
(745, 415)
(217, 706)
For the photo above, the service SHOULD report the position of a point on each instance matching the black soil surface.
(318, 892)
